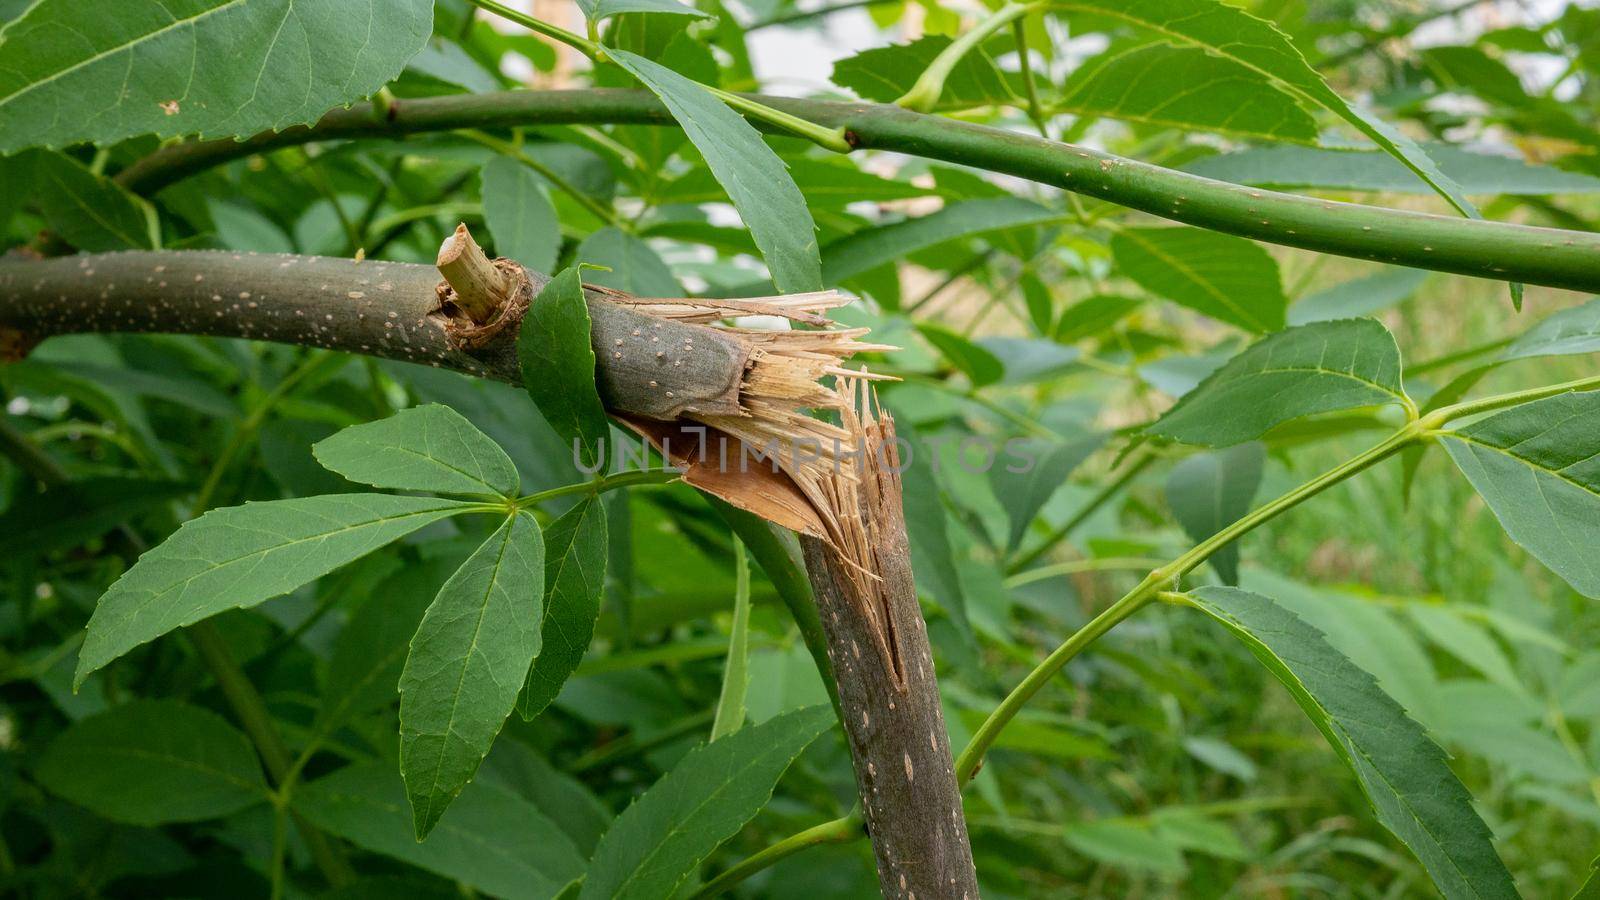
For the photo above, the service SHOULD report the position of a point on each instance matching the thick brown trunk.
(888, 694)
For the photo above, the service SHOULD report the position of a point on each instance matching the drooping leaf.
(490, 839)
(707, 797)
(1535, 465)
(755, 178)
(932, 555)
(425, 448)
(89, 211)
(1184, 87)
(1315, 368)
(467, 662)
(519, 214)
(1358, 297)
(629, 264)
(885, 73)
(1402, 771)
(1210, 491)
(558, 366)
(70, 73)
(980, 366)
(1232, 33)
(1025, 484)
(1225, 277)
(867, 249)
(1288, 168)
(239, 556)
(574, 574)
(736, 668)
(153, 761)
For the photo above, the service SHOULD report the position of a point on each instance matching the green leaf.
(1283, 168)
(869, 248)
(1358, 297)
(424, 448)
(1258, 45)
(1535, 465)
(467, 662)
(574, 574)
(237, 557)
(980, 366)
(149, 762)
(519, 214)
(825, 184)
(707, 797)
(755, 178)
(736, 669)
(67, 515)
(1045, 467)
(371, 649)
(558, 367)
(1315, 368)
(1092, 316)
(216, 68)
(1570, 332)
(629, 264)
(603, 9)
(932, 555)
(89, 211)
(1591, 885)
(885, 74)
(491, 839)
(1402, 771)
(1184, 87)
(1222, 276)
(1210, 491)
(1126, 845)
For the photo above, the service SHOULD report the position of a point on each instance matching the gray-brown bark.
(888, 692)
(385, 309)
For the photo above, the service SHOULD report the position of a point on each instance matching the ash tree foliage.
(291, 620)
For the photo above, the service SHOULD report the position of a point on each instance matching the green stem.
(828, 138)
(1019, 32)
(582, 45)
(601, 485)
(838, 831)
(1497, 250)
(602, 212)
(1439, 417)
(1450, 359)
(924, 94)
(1073, 567)
(1157, 581)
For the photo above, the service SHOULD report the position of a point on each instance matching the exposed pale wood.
(480, 288)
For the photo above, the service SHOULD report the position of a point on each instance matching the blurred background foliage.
(1165, 762)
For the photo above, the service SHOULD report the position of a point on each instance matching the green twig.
(582, 45)
(924, 94)
(838, 831)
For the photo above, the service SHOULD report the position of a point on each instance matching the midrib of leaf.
(1318, 370)
(176, 761)
(297, 541)
(175, 23)
(677, 829)
(477, 629)
(448, 465)
(1554, 473)
(1205, 284)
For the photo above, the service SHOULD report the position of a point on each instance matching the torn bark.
(888, 693)
(701, 391)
